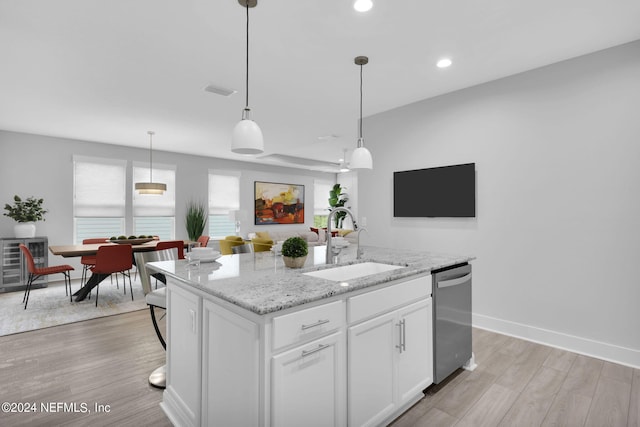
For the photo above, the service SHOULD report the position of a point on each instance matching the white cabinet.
(390, 361)
(355, 360)
(182, 395)
(371, 370)
(308, 386)
(415, 361)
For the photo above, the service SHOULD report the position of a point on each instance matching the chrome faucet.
(329, 259)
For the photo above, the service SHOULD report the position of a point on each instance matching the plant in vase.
(195, 219)
(294, 252)
(26, 213)
(337, 199)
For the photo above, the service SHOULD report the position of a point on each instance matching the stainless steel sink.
(353, 271)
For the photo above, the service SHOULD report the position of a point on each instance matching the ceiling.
(108, 71)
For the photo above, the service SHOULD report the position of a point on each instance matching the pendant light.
(361, 157)
(343, 162)
(151, 187)
(247, 136)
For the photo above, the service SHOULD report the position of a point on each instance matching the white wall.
(557, 232)
(41, 166)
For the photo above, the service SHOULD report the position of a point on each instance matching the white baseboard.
(585, 346)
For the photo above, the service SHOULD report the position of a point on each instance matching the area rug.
(51, 307)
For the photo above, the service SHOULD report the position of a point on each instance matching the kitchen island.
(253, 343)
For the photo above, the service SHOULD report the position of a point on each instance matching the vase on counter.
(297, 262)
(24, 230)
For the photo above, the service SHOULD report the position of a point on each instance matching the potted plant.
(294, 252)
(195, 219)
(338, 199)
(26, 213)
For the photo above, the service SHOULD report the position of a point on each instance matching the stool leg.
(155, 326)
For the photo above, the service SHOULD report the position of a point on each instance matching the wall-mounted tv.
(446, 191)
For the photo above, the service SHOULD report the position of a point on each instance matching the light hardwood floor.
(107, 361)
(520, 383)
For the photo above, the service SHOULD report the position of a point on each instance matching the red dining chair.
(112, 259)
(36, 272)
(204, 241)
(168, 244)
(89, 261)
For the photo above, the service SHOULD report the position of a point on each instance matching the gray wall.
(557, 153)
(41, 166)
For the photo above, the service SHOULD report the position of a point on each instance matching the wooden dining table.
(71, 251)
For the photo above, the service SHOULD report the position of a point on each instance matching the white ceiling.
(108, 71)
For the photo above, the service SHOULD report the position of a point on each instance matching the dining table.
(88, 249)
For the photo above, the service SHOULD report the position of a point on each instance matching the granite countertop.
(259, 282)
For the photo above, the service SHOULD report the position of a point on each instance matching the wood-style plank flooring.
(520, 383)
(107, 361)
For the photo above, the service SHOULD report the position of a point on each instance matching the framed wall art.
(278, 203)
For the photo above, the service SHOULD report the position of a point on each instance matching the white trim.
(145, 165)
(601, 350)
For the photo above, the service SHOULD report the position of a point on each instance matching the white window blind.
(99, 187)
(224, 197)
(98, 197)
(154, 214)
(321, 191)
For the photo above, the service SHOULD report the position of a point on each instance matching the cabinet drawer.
(307, 324)
(376, 302)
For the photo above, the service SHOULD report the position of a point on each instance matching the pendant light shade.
(150, 187)
(361, 157)
(247, 136)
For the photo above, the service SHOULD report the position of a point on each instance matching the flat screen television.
(446, 191)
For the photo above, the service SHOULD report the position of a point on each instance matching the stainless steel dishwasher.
(451, 320)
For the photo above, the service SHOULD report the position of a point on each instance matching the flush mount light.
(362, 5)
(219, 90)
(361, 157)
(150, 187)
(247, 136)
(444, 63)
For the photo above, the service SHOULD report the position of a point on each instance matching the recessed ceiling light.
(444, 63)
(362, 5)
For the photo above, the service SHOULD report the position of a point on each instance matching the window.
(224, 202)
(321, 206)
(98, 197)
(155, 214)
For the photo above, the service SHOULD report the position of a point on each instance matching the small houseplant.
(25, 213)
(294, 252)
(195, 219)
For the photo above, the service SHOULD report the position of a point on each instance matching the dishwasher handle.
(454, 282)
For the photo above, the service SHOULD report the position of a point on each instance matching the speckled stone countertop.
(259, 282)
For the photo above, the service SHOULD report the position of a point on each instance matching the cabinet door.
(230, 368)
(371, 366)
(308, 386)
(184, 354)
(415, 360)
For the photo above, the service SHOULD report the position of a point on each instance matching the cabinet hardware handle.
(313, 325)
(454, 282)
(320, 347)
(404, 334)
(400, 345)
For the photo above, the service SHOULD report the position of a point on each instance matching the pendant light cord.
(150, 157)
(360, 101)
(247, 71)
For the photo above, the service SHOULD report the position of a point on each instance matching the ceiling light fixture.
(444, 63)
(247, 136)
(343, 162)
(150, 187)
(362, 5)
(361, 157)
